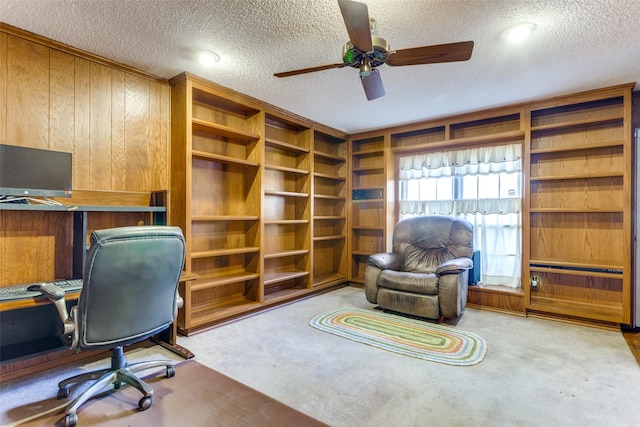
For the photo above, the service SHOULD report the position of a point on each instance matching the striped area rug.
(416, 338)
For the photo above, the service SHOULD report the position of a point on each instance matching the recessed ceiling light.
(208, 58)
(519, 32)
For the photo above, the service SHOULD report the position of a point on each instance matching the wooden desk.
(28, 308)
(73, 220)
(69, 297)
(33, 302)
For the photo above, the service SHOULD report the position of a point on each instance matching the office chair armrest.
(55, 294)
(179, 304)
(179, 301)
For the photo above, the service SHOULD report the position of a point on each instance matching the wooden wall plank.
(136, 133)
(61, 98)
(82, 126)
(118, 177)
(100, 128)
(27, 238)
(27, 94)
(165, 136)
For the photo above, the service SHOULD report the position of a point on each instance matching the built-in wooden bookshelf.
(368, 197)
(246, 192)
(286, 208)
(329, 209)
(579, 210)
(216, 198)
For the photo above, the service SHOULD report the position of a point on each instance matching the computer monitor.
(28, 172)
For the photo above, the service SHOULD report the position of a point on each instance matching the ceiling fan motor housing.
(354, 57)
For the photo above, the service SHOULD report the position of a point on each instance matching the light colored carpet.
(535, 373)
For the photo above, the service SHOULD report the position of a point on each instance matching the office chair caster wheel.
(145, 403)
(171, 371)
(63, 392)
(71, 420)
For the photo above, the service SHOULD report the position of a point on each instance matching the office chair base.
(119, 373)
(70, 420)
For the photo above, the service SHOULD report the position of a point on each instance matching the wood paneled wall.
(115, 122)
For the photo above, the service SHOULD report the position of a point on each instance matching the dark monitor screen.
(28, 172)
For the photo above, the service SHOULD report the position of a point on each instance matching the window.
(482, 185)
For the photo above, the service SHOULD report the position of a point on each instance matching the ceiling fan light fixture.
(372, 85)
(519, 32)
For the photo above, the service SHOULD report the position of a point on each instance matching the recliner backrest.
(425, 242)
(130, 284)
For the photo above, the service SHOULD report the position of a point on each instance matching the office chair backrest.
(130, 285)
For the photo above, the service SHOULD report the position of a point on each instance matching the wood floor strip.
(195, 396)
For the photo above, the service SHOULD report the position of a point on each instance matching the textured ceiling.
(578, 45)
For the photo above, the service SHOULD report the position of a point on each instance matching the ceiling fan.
(367, 52)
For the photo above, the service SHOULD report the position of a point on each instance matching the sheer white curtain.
(481, 185)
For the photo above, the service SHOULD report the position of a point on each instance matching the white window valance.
(472, 161)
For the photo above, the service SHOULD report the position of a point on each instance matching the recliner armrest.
(454, 266)
(386, 261)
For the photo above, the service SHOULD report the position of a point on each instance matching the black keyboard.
(31, 290)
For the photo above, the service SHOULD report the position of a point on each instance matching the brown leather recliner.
(426, 275)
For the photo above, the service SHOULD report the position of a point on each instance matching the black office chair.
(130, 293)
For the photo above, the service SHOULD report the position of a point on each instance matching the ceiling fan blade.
(449, 52)
(356, 19)
(309, 70)
(372, 85)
